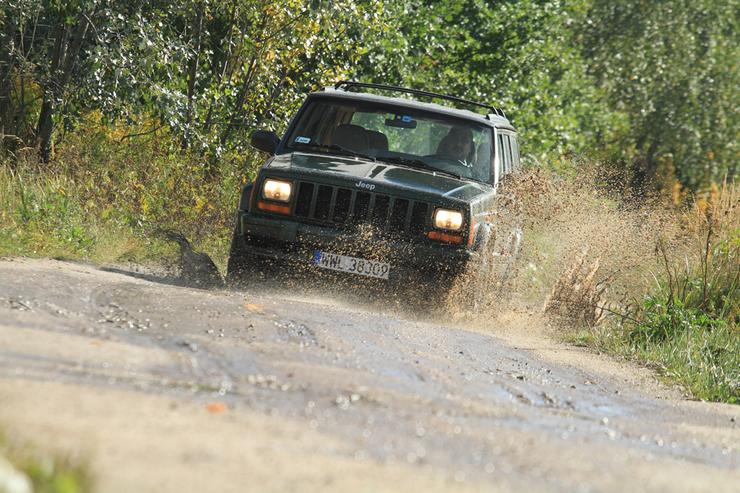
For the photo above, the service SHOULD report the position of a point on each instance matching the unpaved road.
(167, 388)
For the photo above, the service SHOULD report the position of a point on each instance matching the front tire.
(241, 265)
(484, 283)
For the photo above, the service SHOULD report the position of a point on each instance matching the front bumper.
(284, 241)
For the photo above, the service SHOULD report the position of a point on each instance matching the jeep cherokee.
(376, 186)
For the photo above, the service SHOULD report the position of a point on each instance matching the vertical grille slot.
(341, 206)
(418, 218)
(303, 199)
(326, 203)
(323, 202)
(362, 206)
(380, 211)
(398, 215)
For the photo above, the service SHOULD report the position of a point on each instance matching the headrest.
(484, 154)
(378, 140)
(352, 137)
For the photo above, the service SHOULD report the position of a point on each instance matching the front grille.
(340, 207)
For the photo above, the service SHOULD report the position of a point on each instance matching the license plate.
(351, 265)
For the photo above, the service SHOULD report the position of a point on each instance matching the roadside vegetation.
(118, 118)
(25, 470)
(102, 197)
(644, 280)
(687, 325)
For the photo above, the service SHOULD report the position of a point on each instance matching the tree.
(671, 68)
(521, 55)
(207, 70)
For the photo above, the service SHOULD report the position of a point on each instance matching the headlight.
(276, 190)
(447, 219)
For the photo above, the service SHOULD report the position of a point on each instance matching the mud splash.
(588, 248)
(574, 247)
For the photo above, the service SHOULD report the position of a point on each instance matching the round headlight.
(447, 219)
(276, 190)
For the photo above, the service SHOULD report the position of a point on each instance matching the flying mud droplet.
(196, 268)
(217, 407)
(19, 304)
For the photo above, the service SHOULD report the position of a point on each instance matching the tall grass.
(640, 279)
(689, 325)
(103, 194)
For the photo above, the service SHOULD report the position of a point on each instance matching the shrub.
(103, 194)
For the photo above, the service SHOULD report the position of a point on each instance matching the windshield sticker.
(400, 121)
(302, 140)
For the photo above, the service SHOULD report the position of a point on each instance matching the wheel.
(481, 280)
(241, 265)
(484, 281)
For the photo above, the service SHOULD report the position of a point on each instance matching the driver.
(457, 144)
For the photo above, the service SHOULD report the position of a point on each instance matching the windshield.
(399, 135)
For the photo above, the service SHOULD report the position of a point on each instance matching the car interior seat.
(352, 137)
(377, 140)
(446, 146)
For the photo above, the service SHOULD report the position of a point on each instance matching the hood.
(382, 175)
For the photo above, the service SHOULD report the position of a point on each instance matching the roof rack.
(348, 84)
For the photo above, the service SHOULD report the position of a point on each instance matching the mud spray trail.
(167, 388)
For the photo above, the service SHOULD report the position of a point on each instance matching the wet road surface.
(170, 388)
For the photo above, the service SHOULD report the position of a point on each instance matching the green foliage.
(649, 84)
(51, 477)
(671, 68)
(689, 325)
(207, 71)
(519, 55)
(47, 473)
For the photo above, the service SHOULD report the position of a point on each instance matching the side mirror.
(265, 141)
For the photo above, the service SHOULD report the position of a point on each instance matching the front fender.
(246, 196)
(483, 236)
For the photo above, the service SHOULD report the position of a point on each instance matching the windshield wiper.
(337, 149)
(418, 163)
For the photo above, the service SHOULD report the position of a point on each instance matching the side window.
(505, 154)
(515, 152)
(510, 160)
(501, 157)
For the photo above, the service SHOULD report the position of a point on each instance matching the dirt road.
(169, 388)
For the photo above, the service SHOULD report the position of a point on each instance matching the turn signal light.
(276, 208)
(445, 237)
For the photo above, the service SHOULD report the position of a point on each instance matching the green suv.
(382, 187)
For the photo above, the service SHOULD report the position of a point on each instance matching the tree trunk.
(241, 98)
(221, 73)
(66, 51)
(45, 124)
(193, 75)
(7, 61)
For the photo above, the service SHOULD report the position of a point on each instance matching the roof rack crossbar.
(348, 84)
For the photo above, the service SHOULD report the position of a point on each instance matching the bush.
(687, 326)
(103, 195)
(636, 277)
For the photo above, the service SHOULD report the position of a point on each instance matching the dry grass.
(640, 279)
(586, 243)
(100, 199)
(577, 294)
